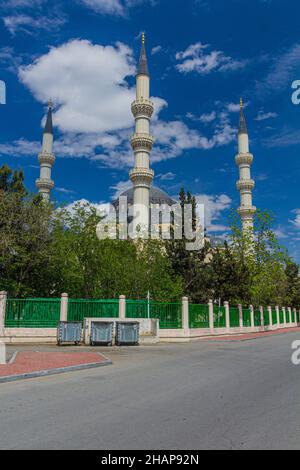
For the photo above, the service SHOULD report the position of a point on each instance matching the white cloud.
(214, 205)
(197, 58)
(30, 25)
(120, 187)
(102, 208)
(169, 176)
(281, 233)
(17, 4)
(20, 147)
(284, 69)
(89, 85)
(296, 221)
(285, 138)
(156, 50)
(262, 116)
(114, 7)
(87, 82)
(205, 118)
(64, 190)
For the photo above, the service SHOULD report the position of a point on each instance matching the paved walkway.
(248, 336)
(28, 363)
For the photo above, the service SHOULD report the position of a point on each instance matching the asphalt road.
(237, 395)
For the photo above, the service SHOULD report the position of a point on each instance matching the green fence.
(138, 309)
(169, 314)
(234, 316)
(266, 317)
(281, 316)
(198, 316)
(274, 316)
(293, 316)
(246, 317)
(79, 309)
(32, 313)
(219, 317)
(257, 317)
(287, 314)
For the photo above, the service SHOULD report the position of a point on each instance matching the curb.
(61, 370)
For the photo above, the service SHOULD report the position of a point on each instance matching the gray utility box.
(127, 333)
(69, 332)
(102, 333)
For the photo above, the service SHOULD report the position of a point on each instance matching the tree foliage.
(45, 251)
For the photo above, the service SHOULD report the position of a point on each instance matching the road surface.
(237, 395)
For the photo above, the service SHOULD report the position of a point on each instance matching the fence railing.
(246, 317)
(234, 316)
(198, 316)
(169, 313)
(32, 313)
(219, 317)
(79, 309)
(46, 313)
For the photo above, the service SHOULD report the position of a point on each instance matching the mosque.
(143, 195)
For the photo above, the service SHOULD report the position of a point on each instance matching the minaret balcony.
(141, 177)
(142, 142)
(47, 158)
(142, 108)
(244, 159)
(245, 185)
(246, 211)
(44, 184)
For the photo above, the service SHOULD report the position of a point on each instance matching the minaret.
(141, 175)
(245, 184)
(47, 159)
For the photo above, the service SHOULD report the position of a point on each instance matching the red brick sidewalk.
(31, 362)
(248, 336)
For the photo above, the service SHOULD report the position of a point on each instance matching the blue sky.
(203, 55)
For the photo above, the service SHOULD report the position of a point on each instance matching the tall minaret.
(245, 184)
(47, 159)
(141, 175)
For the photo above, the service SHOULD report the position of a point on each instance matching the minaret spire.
(143, 63)
(46, 158)
(245, 185)
(141, 175)
(243, 125)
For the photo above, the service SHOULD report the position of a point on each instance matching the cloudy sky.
(203, 55)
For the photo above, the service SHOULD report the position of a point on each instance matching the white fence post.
(277, 316)
(122, 307)
(270, 317)
(284, 317)
(227, 315)
(262, 319)
(240, 307)
(185, 316)
(211, 317)
(64, 307)
(290, 315)
(252, 316)
(3, 299)
(2, 353)
(295, 316)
